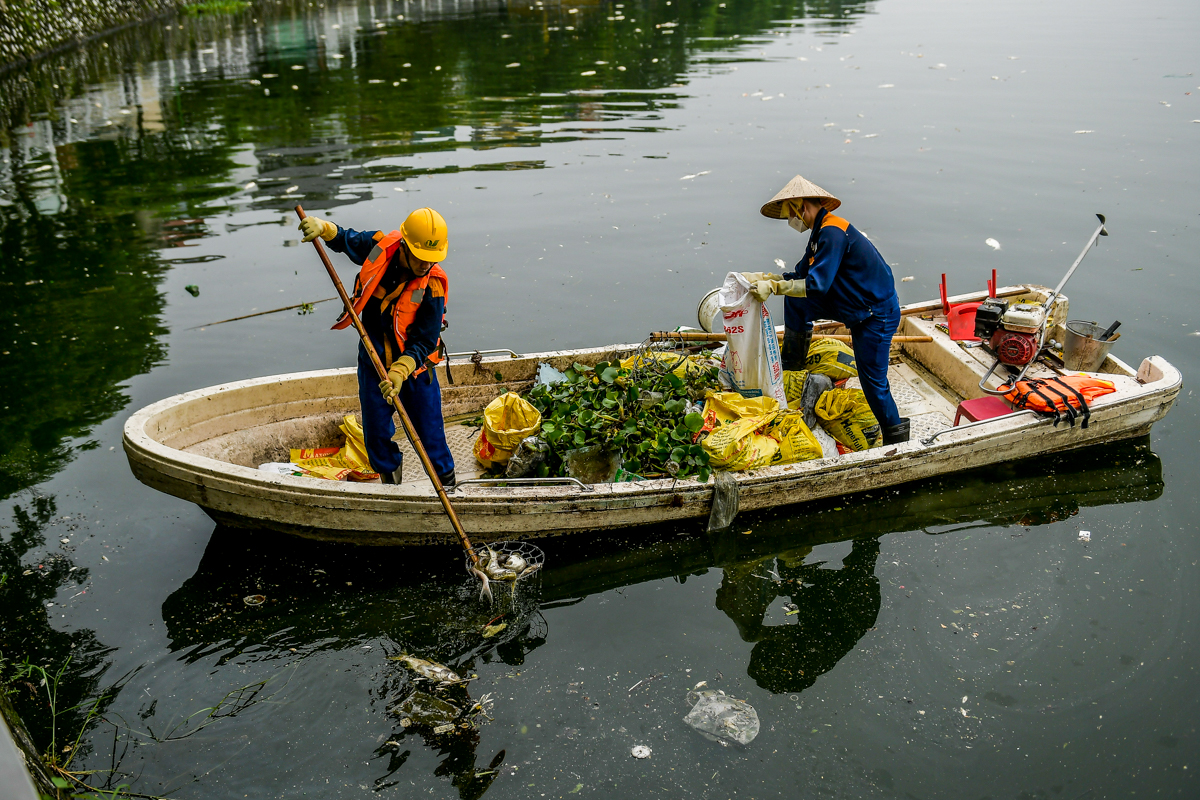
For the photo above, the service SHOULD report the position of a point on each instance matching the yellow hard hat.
(425, 233)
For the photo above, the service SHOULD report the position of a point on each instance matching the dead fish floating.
(431, 671)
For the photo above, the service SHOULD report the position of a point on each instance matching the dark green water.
(954, 638)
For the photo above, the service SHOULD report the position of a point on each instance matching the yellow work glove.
(402, 367)
(764, 289)
(312, 227)
(755, 277)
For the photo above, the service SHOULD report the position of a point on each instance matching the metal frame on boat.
(203, 447)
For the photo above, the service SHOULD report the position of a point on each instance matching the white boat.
(205, 446)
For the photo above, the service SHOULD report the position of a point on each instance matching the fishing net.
(658, 357)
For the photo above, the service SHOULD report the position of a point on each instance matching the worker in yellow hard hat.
(400, 294)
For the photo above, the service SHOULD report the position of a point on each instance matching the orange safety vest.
(1065, 397)
(404, 301)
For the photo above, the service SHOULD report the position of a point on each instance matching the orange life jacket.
(404, 301)
(1065, 397)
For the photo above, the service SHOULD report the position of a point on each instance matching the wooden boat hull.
(203, 447)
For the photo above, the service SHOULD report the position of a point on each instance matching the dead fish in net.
(515, 562)
(496, 568)
(485, 589)
(430, 671)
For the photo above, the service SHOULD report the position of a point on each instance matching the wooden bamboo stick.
(700, 336)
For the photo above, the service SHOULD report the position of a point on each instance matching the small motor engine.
(1012, 332)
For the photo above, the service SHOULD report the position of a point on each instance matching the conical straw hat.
(796, 189)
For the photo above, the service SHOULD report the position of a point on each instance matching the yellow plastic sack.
(348, 462)
(736, 441)
(793, 386)
(688, 364)
(833, 358)
(506, 421)
(721, 408)
(796, 441)
(848, 418)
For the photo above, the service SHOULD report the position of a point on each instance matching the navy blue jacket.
(845, 277)
(426, 326)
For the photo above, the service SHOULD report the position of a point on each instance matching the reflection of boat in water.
(834, 608)
(204, 447)
(325, 599)
(320, 596)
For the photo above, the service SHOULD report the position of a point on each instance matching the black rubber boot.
(794, 353)
(391, 477)
(896, 434)
(448, 480)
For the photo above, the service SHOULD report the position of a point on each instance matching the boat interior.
(929, 380)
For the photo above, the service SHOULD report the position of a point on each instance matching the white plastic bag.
(752, 364)
(720, 717)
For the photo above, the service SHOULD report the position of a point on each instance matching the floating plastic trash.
(640, 751)
(722, 718)
(254, 599)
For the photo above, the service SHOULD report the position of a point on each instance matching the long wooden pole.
(409, 430)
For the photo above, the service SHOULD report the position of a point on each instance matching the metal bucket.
(1082, 351)
(708, 312)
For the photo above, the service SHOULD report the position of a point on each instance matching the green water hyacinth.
(642, 413)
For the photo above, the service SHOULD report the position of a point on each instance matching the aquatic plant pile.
(646, 412)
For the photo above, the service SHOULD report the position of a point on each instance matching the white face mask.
(797, 224)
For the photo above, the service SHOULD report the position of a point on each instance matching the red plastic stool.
(982, 408)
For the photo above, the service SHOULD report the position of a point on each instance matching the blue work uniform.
(420, 394)
(847, 280)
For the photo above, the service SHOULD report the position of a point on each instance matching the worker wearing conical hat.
(400, 294)
(841, 277)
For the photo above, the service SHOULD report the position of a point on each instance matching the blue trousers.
(422, 399)
(872, 342)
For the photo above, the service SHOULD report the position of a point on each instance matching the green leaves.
(642, 413)
(607, 372)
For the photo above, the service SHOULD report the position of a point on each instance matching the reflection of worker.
(400, 293)
(841, 277)
(836, 608)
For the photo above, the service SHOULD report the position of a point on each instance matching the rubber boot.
(794, 353)
(896, 434)
(448, 480)
(392, 477)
